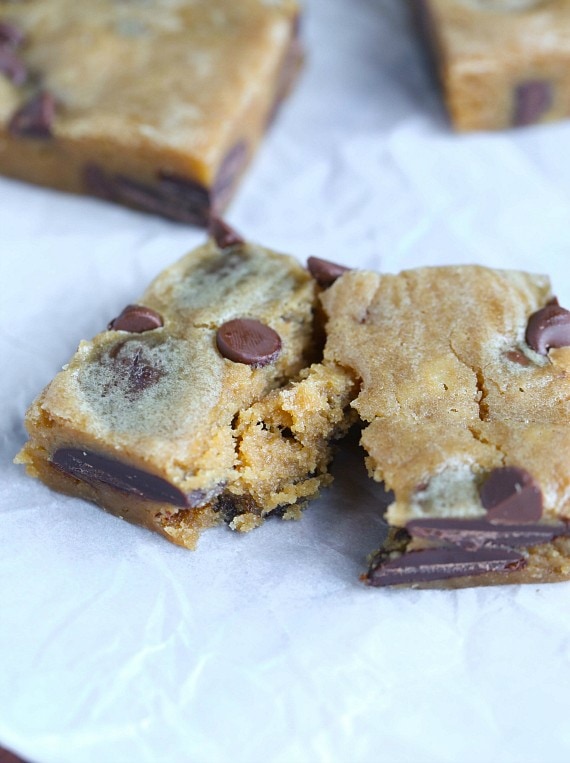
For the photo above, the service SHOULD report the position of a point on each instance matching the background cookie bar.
(159, 105)
(191, 409)
(502, 63)
(465, 396)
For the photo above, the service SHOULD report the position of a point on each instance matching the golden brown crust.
(142, 90)
(451, 391)
(487, 50)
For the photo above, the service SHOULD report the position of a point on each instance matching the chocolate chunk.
(35, 118)
(532, 100)
(98, 183)
(511, 496)
(244, 340)
(472, 534)
(442, 564)
(324, 272)
(548, 327)
(192, 198)
(199, 498)
(224, 236)
(179, 201)
(173, 196)
(136, 319)
(10, 35)
(12, 66)
(156, 200)
(96, 469)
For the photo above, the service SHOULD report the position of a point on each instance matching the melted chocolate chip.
(10, 35)
(324, 272)
(516, 356)
(224, 235)
(442, 564)
(511, 496)
(136, 319)
(248, 341)
(12, 66)
(532, 100)
(472, 534)
(230, 506)
(134, 369)
(548, 327)
(96, 470)
(35, 118)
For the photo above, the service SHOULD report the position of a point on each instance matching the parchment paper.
(116, 646)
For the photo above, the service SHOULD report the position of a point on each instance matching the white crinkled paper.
(116, 646)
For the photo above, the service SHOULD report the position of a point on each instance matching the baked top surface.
(174, 74)
(165, 399)
(450, 388)
(481, 32)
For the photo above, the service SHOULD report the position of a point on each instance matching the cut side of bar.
(198, 405)
(465, 400)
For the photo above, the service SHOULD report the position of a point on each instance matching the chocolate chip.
(134, 370)
(12, 66)
(516, 356)
(35, 118)
(472, 534)
(511, 496)
(324, 272)
(96, 469)
(10, 35)
(548, 327)
(224, 236)
(244, 340)
(442, 564)
(136, 319)
(532, 100)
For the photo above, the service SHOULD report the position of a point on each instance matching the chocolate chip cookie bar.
(501, 63)
(197, 405)
(465, 401)
(157, 104)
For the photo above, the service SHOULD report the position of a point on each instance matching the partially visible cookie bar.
(157, 104)
(501, 63)
(465, 397)
(198, 404)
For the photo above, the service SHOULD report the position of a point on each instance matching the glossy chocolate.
(244, 340)
(442, 564)
(511, 496)
(96, 470)
(548, 327)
